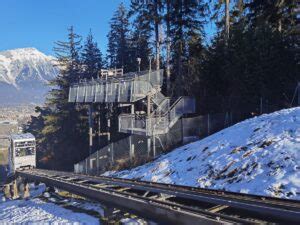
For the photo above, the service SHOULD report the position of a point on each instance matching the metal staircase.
(160, 120)
(138, 91)
(161, 114)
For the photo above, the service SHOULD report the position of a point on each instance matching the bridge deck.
(172, 203)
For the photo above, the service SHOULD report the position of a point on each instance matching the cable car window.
(24, 151)
(20, 152)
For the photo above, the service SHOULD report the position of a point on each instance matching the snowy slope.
(258, 156)
(24, 75)
(37, 211)
(51, 208)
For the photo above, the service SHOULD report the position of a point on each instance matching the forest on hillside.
(229, 54)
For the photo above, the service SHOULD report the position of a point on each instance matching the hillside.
(24, 75)
(258, 156)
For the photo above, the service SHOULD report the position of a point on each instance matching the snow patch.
(257, 156)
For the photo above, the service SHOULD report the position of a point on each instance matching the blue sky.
(38, 23)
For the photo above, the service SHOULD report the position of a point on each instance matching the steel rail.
(280, 209)
(276, 202)
(265, 206)
(162, 212)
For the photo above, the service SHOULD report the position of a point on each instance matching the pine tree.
(141, 35)
(119, 40)
(91, 58)
(155, 10)
(151, 13)
(61, 125)
(187, 32)
(225, 13)
(167, 18)
(258, 62)
(279, 14)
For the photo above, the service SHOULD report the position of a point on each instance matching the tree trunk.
(168, 70)
(227, 19)
(157, 40)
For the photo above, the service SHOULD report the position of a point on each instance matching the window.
(19, 152)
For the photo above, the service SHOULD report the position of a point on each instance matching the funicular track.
(172, 204)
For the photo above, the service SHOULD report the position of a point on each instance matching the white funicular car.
(22, 152)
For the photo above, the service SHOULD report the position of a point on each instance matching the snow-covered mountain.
(258, 156)
(24, 74)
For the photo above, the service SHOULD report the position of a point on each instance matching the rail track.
(172, 204)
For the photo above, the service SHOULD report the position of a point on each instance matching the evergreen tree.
(225, 13)
(141, 35)
(151, 14)
(278, 14)
(257, 63)
(187, 33)
(64, 129)
(91, 58)
(119, 40)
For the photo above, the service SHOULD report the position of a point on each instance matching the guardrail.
(128, 88)
(156, 124)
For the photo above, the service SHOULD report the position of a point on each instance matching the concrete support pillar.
(90, 129)
(109, 215)
(26, 190)
(97, 162)
(154, 147)
(148, 105)
(14, 189)
(148, 146)
(108, 130)
(130, 150)
(110, 149)
(7, 192)
(99, 125)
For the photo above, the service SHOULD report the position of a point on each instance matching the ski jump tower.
(151, 113)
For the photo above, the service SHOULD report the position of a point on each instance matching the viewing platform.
(117, 87)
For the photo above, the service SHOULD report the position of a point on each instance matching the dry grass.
(126, 163)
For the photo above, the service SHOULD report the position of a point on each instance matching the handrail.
(126, 77)
(171, 107)
(166, 99)
(163, 115)
(162, 122)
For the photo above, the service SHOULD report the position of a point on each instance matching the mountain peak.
(26, 68)
(21, 53)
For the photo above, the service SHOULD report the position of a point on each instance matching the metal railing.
(156, 124)
(128, 88)
(113, 153)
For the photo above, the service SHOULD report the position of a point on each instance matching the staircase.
(145, 129)
(160, 120)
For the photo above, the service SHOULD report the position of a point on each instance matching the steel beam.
(147, 209)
